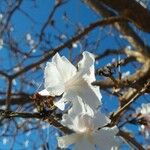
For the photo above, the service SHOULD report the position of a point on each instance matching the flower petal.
(100, 120)
(65, 141)
(65, 68)
(67, 121)
(54, 83)
(60, 104)
(44, 92)
(86, 63)
(88, 95)
(107, 136)
(87, 71)
(73, 112)
(67, 96)
(79, 108)
(83, 144)
(85, 92)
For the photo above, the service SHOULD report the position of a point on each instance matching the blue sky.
(79, 14)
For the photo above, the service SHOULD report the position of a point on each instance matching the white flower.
(5, 141)
(28, 37)
(145, 112)
(74, 45)
(26, 143)
(85, 122)
(16, 69)
(61, 77)
(14, 82)
(31, 42)
(145, 115)
(145, 109)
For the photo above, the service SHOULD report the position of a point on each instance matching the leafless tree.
(32, 32)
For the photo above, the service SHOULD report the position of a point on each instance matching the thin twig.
(4, 114)
(130, 139)
(104, 22)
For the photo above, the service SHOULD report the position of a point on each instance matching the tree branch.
(46, 57)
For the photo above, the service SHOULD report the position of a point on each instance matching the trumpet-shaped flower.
(61, 77)
(86, 123)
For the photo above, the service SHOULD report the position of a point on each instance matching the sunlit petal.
(61, 77)
(60, 104)
(44, 92)
(65, 141)
(86, 63)
(88, 95)
(54, 83)
(84, 144)
(71, 119)
(105, 138)
(65, 68)
(87, 71)
(100, 120)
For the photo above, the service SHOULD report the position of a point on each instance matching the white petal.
(44, 92)
(79, 108)
(84, 144)
(65, 141)
(70, 95)
(87, 72)
(105, 138)
(65, 68)
(60, 104)
(85, 92)
(100, 120)
(74, 111)
(67, 121)
(86, 63)
(67, 97)
(96, 90)
(88, 95)
(54, 83)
